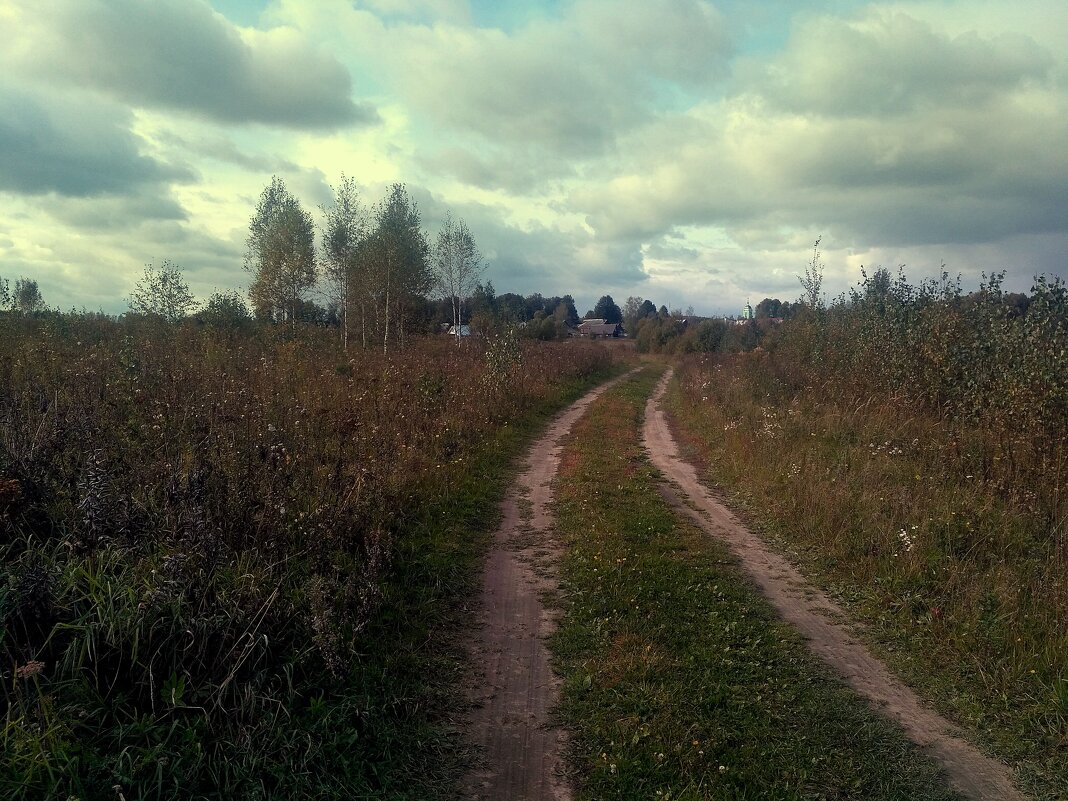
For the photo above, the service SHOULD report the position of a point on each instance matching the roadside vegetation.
(908, 446)
(231, 558)
(680, 683)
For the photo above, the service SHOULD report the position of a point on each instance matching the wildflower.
(31, 668)
(906, 540)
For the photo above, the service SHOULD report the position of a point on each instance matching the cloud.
(494, 168)
(454, 10)
(73, 146)
(567, 86)
(889, 63)
(180, 55)
(553, 259)
(223, 149)
(555, 88)
(964, 154)
(99, 214)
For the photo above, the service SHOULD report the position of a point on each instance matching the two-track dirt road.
(521, 754)
(817, 618)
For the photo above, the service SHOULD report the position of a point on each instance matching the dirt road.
(814, 615)
(521, 756)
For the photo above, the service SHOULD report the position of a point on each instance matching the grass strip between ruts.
(679, 681)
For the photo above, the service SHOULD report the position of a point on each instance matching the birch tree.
(26, 297)
(162, 292)
(457, 266)
(397, 262)
(281, 253)
(812, 283)
(344, 234)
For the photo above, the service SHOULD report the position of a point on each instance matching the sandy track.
(520, 755)
(815, 615)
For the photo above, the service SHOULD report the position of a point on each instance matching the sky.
(683, 151)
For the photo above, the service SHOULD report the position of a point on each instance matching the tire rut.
(520, 754)
(818, 619)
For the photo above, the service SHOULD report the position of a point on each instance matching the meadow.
(230, 560)
(908, 447)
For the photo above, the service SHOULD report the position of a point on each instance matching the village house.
(595, 328)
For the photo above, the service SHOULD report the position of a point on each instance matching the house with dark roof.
(596, 328)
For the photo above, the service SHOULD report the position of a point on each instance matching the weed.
(228, 568)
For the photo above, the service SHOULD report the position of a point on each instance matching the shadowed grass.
(235, 567)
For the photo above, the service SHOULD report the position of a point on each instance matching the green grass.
(969, 609)
(679, 681)
(416, 661)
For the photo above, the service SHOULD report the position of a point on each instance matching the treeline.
(534, 316)
(371, 271)
(679, 335)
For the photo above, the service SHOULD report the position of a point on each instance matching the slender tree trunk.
(385, 328)
(456, 318)
(345, 315)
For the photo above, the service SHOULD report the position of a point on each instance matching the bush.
(197, 531)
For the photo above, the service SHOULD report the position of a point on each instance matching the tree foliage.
(607, 310)
(280, 254)
(773, 307)
(344, 235)
(226, 310)
(398, 265)
(457, 264)
(162, 292)
(635, 310)
(26, 297)
(812, 282)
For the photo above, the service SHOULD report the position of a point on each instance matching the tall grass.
(909, 446)
(205, 536)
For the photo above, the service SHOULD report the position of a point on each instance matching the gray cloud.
(957, 171)
(889, 63)
(515, 170)
(223, 149)
(99, 214)
(179, 54)
(554, 261)
(73, 147)
(564, 87)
